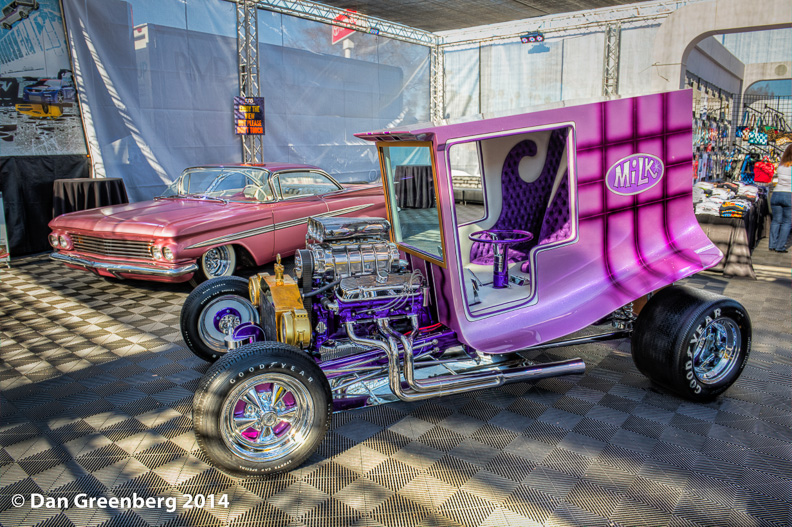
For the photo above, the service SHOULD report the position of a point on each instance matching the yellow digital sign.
(249, 115)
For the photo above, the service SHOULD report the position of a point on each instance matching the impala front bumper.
(119, 269)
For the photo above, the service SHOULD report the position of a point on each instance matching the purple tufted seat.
(556, 225)
(524, 203)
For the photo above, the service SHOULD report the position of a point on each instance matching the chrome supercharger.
(344, 247)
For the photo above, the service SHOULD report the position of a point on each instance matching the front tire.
(212, 309)
(692, 342)
(217, 262)
(262, 410)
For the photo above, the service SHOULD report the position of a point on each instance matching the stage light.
(374, 31)
(532, 38)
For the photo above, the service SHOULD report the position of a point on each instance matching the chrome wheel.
(717, 352)
(221, 316)
(267, 417)
(219, 261)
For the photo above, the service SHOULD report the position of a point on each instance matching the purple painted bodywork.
(624, 246)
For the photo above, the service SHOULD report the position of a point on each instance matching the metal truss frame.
(247, 51)
(437, 88)
(628, 16)
(610, 74)
(358, 21)
(611, 21)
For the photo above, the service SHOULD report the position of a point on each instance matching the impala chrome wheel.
(718, 350)
(219, 261)
(220, 316)
(267, 417)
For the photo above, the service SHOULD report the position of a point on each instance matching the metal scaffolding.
(610, 21)
(247, 40)
(437, 89)
(633, 15)
(610, 74)
(247, 50)
(356, 21)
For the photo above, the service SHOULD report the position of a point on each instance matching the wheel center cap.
(269, 419)
(229, 322)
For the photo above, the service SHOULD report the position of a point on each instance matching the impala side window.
(296, 184)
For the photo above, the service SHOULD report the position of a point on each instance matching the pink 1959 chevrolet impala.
(209, 221)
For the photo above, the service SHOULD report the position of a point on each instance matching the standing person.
(781, 203)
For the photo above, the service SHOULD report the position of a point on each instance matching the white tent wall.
(462, 82)
(635, 60)
(156, 80)
(499, 77)
(514, 75)
(583, 65)
(513, 78)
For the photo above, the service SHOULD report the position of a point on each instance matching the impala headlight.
(64, 241)
(156, 253)
(53, 240)
(167, 253)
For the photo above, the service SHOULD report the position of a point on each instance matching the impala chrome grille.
(109, 247)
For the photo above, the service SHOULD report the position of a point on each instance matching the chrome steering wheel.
(500, 241)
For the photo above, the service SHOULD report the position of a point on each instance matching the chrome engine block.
(381, 286)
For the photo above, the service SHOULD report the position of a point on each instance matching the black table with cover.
(731, 236)
(414, 186)
(737, 237)
(70, 195)
(26, 184)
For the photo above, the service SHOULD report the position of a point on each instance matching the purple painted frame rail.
(627, 242)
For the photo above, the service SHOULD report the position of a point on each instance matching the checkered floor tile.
(96, 396)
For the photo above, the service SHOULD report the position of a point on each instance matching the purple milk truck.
(503, 236)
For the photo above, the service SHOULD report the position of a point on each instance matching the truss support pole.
(247, 51)
(610, 75)
(437, 95)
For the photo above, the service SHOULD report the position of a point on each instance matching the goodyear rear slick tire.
(263, 409)
(692, 342)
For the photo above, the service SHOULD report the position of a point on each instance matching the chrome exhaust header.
(404, 367)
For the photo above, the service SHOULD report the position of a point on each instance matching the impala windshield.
(243, 184)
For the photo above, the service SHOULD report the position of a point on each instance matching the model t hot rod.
(579, 213)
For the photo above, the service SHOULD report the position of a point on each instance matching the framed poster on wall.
(5, 255)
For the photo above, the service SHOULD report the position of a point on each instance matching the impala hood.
(158, 218)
